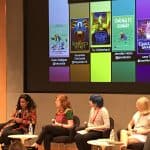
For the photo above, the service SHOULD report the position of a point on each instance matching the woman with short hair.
(98, 123)
(139, 126)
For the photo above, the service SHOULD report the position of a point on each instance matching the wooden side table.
(23, 137)
(104, 143)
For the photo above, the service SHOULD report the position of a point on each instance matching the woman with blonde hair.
(61, 124)
(139, 126)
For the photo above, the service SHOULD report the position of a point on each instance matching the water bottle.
(30, 128)
(124, 136)
(85, 124)
(112, 135)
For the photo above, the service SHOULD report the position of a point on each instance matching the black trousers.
(47, 134)
(10, 130)
(81, 140)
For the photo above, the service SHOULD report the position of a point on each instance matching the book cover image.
(123, 33)
(143, 36)
(100, 28)
(79, 34)
(59, 41)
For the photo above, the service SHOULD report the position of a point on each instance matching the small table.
(23, 137)
(103, 143)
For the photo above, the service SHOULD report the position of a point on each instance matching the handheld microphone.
(53, 121)
(19, 115)
(85, 124)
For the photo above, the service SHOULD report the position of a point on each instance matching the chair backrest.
(107, 132)
(76, 121)
(76, 125)
(112, 123)
(69, 138)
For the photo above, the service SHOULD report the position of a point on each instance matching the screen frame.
(36, 60)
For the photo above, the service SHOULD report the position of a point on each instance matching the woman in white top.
(139, 126)
(98, 122)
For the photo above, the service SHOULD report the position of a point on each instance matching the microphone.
(53, 121)
(19, 115)
(85, 124)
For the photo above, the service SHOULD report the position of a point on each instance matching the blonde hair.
(143, 103)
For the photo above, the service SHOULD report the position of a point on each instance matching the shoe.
(35, 145)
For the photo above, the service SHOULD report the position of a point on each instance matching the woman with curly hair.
(24, 114)
(61, 124)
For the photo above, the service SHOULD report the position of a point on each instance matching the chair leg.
(64, 146)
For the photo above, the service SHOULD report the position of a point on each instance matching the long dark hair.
(30, 103)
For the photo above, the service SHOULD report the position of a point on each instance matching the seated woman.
(97, 124)
(60, 126)
(139, 126)
(24, 114)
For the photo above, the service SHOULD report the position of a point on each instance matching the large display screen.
(87, 46)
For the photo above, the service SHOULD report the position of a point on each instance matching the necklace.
(95, 116)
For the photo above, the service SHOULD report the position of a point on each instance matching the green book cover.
(123, 33)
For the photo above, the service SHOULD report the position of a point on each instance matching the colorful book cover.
(123, 33)
(143, 36)
(59, 41)
(79, 34)
(100, 28)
